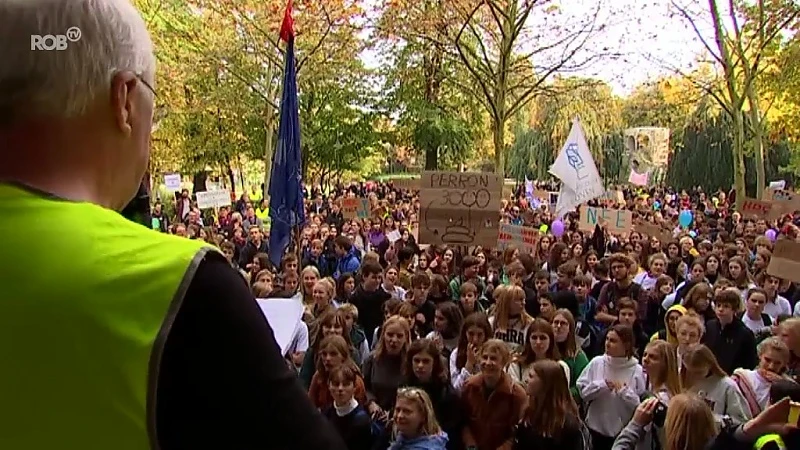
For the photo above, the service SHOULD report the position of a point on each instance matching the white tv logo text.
(57, 42)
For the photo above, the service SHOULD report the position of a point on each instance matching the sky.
(652, 37)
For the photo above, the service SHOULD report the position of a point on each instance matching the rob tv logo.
(58, 42)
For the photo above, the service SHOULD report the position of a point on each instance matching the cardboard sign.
(213, 199)
(784, 202)
(619, 220)
(654, 231)
(406, 183)
(759, 209)
(523, 238)
(785, 261)
(460, 208)
(355, 208)
(173, 182)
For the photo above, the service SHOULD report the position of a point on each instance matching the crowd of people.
(594, 340)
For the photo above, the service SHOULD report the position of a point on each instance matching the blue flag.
(285, 187)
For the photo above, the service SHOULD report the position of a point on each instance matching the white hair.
(66, 83)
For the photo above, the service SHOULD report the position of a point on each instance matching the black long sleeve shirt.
(223, 383)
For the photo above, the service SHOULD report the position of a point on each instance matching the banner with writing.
(759, 209)
(460, 208)
(619, 220)
(523, 238)
(785, 261)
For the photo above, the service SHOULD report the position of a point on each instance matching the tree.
(741, 51)
(510, 61)
(424, 81)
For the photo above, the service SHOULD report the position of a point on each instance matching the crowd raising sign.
(459, 208)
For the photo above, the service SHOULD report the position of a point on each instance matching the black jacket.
(734, 345)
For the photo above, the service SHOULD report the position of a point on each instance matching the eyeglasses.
(148, 85)
(560, 323)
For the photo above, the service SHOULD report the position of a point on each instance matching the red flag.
(287, 27)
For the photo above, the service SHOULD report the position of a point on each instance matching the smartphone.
(794, 414)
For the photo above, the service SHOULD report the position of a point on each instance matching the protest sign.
(283, 315)
(783, 201)
(759, 209)
(173, 182)
(355, 208)
(460, 208)
(652, 230)
(619, 220)
(523, 238)
(214, 199)
(785, 261)
(406, 183)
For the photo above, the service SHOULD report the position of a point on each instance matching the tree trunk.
(432, 158)
(738, 157)
(758, 140)
(498, 135)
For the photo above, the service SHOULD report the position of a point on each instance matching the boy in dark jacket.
(729, 339)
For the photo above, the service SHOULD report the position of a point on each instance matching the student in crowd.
(383, 368)
(322, 298)
(789, 332)
(464, 360)
(345, 286)
(702, 375)
(690, 332)
(551, 419)
(776, 304)
(587, 305)
(357, 335)
(333, 352)
(469, 302)
(540, 343)
(699, 301)
(369, 298)
(660, 366)
(732, 343)
(425, 368)
(470, 268)
(571, 354)
(493, 404)
(390, 308)
(390, 276)
(308, 277)
(346, 414)
(329, 323)
(626, 315)
(670, 331)
(510, 321)
(447, 325)
(611, 386)
(754, 317)
(755, 384)
(414, 426)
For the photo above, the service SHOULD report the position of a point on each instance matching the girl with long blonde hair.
(510, 322)
(383, 368)
(414, 424)
(702, 375)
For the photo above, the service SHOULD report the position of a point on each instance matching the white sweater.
(607, 411)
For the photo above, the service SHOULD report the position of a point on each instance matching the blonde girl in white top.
(660, 367)
(510, 322)
(611, 386)
(540, 344)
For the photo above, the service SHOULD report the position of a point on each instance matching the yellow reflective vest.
(87, 300)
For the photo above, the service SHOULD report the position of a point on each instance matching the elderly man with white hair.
(113, 336)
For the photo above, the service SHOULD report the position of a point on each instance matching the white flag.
(575, 167)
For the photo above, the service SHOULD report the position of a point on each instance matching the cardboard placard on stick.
(785, 261)
(619, 220)
(460, 208)
(523, 238)
(654, 231)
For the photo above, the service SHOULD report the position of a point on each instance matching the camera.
(660, 414)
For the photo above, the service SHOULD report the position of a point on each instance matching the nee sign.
(619, 220)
